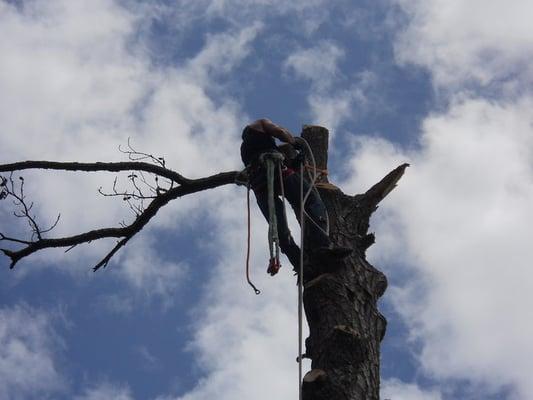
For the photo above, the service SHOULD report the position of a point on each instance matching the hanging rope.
(257, 291)
(312, 172)
(273, 238)
(300, 282)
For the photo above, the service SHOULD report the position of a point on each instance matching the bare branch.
(24, 209)
(135, 155)
(105, 260)
(53, 225)
(15, 240)
(381, 189)
(125, 232)
(97, 166)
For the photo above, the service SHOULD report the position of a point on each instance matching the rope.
(257, 291)
(303, 199)
(282, 187)
(300, 282)
(313, 178)
(273, 238)
(315, 169)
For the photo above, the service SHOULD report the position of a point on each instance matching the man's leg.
(316, 222)
(316, 235)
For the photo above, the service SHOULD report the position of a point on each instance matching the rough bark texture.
(340, 297)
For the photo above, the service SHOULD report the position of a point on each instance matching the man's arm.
(274, 130)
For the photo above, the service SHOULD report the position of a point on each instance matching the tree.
(340, 296)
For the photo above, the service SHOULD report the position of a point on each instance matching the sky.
(443, 85)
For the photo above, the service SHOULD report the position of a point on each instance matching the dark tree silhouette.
(340, 297)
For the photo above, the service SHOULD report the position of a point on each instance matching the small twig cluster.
(9, 189)
(142, 187)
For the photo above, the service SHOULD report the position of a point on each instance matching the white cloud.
(144, 270)
(469, 41)
(308, 15)
(318, 64)
(106, 391)
(329, 103)
(222, 52)
(331, 111)
(28, 362)
(394, 389)
(77, 81)
(460, 220)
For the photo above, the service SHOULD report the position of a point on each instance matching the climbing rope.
(303, 200)
(257, 291)
(300, 282)
(313, 174)
(271, 160)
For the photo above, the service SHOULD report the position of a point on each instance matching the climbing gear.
(273, 266)
(271, 160)
(300, 281)
(257, 291)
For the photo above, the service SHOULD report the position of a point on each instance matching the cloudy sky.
(443, 85)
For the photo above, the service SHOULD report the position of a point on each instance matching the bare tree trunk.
(340, 297)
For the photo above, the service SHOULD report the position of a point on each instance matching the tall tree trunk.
(340, 297)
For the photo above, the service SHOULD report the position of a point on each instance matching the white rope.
(303, 200)
(313, 179)
(273, 238)
(300, 282)
(282, 193)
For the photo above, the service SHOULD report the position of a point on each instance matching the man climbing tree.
(340, 294)
(257, 144)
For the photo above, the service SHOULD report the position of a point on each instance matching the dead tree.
(340, 297)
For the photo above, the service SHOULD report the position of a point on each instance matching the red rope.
(257, 291)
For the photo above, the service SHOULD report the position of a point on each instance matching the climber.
(258, 138)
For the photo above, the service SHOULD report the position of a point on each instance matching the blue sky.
(445, 86)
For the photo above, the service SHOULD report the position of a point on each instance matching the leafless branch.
(97, 166)
(135, 155)
(10, 189)
(125, 232)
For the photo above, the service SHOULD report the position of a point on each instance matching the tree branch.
(381, 189)
(97, 166)
(126, 232)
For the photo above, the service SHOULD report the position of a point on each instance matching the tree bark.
(340, 297)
